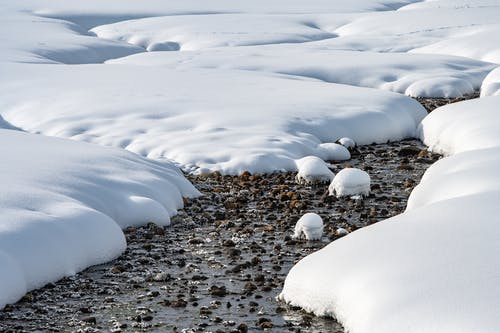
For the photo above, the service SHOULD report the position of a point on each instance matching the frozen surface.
(309, 226)
(312, 169)
(350, 181)
(64, 203)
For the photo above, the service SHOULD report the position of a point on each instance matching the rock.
(218, 291)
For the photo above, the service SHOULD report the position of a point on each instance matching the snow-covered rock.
(333, 152)
(63, 204)
(341, 232)
(347, 142)
(312, 169)
(226, 120)
(407, 73)
(309, 226)
(350, 181)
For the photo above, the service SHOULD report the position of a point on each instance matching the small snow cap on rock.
(309, 226)
(341, 232)
(347, 142)
(313, 169)
(350, 181)
(333, 152)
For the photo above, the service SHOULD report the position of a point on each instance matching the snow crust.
(309, 226)
(64, 204)
(350, 181)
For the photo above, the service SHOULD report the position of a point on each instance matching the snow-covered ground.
(254, 85)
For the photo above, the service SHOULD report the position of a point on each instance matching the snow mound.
(426, 75)
(347, 142)
(491, 84)
(333, 152)
(64, 204)
(463, 126)
(350, 181)
(312, 169)
(225, 120)
(309, 226)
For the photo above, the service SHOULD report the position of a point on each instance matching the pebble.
(225, 257)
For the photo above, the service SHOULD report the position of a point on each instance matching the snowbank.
(435, 267)
(63, 205)
(491, 84)
(407, 73)
(205, 120)
(464, 126)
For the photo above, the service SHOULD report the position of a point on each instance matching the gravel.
(221, 264)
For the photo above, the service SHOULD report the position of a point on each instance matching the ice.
(309, 226)
(312, 169)
(350, 182)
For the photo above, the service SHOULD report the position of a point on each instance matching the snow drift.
(64, 203)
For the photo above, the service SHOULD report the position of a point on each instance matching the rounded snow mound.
(350, 181)
(313, 169)
(347, 143)
(309, 226)
(333, 152)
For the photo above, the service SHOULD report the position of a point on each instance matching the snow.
(406, 73)
(350, 182)
(257, 86)
(312, 169)
(333, 152)
(491, 84)
(435, 267)
(464, 126)
(64, 204)
(310, 226)
(225, 120)
(341, 232)
(347, 142)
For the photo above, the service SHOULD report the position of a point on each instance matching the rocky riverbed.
(223, 261)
